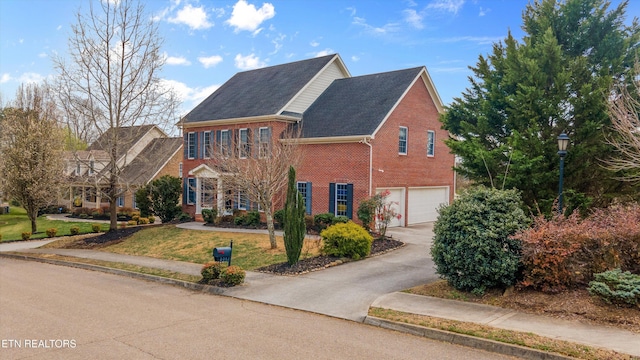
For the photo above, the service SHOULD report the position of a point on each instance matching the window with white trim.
(402, 140)
(431, 143)
(243, 143)
(191, 145)
(206, 143)
(120, 201)
(225, 142)
(133, 201)
(180, 170)
(242, 200)
(264, 142)
(341, 199)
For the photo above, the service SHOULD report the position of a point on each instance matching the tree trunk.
(270, 227)
(33, 222)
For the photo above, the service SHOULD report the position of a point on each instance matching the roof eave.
(330, 139)
(244, 120)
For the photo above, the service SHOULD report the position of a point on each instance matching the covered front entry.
(423, 203)
(209, 191)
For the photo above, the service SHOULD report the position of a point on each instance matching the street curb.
(159, 279)
(465, 340)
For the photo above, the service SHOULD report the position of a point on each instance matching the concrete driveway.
(346, 291)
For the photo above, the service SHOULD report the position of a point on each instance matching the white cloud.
(324, 52)
(210, 61)
(59, 27)
(5, 78)
(190, 97)
(30, 77)
(249, 62)
(413, 18)
(245, 16)
(177, 60)
(373, 30)
(452, 6)
(42, 55)
(277, 43)
(194, 17)
(314, 43)
(481, 40)
(355, 58)
(483, 12)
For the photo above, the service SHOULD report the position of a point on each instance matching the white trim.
(260, 155)
(329, 139)
(206, 136)
(236, 121)
(240, 142)
(195, 136)
(434, 143)
(406, 140)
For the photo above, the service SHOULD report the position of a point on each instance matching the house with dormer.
(145, 153)
(360, 135)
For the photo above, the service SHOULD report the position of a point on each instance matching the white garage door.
(424, 202)
(396, 196)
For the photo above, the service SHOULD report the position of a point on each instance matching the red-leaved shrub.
(564, 253)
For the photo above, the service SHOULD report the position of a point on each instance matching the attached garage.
(423, 203)
(396, 196)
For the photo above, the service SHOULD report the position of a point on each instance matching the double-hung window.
(243, 143)
(206, 144)
(402, 141)
(341, 199)
(264, 142)
(242, 200)
(191, 145)
(225, 142)
(431, 143)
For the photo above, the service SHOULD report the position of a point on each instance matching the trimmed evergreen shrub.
(209, 215)
(341, 219)
(143, 221)
(152, 219)
(211, 271)
(232, 275)
(295, 228)
(183, 217)
(251, 218)
(323, 220)
(74, 230)
(26, 235)
(51, 232)
(616, 287)
(472, 248)
(278, 216)
(346, 240)
(96, 228)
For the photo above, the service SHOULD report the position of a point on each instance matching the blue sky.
(208, 41)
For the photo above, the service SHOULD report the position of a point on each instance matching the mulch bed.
(378, 247)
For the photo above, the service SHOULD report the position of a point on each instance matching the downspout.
(366, 142)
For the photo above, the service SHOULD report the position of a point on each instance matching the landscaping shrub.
(472, 248)
(564, 253)
(308, 222)
(252, 218)
(136, 218)
(346, 239)
(53, 209)
(295, 227)
(212, 270)
(132, 222)
(366, 212)
(74, 230)
(184, 217)
(239, 220)
(164, 193)
(143, 202)
(209, 215)
(143, 221)
(26, 235)
(340, 220)
(323, 220)
(51, 232)
(152, 219)
(278, 216)
(0, 237)
(96, 228)
(232, 275)
(616, 287)
(84, 216)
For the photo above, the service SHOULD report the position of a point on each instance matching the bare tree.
(31, 146)
(260, 174)
(624, 109)
(112, 80)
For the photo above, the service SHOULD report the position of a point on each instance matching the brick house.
(359, 136)
(147, 153)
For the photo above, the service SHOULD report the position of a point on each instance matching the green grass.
(12, 225)
(250, 251)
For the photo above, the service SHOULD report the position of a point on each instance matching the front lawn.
(250, 251)
(12, 225)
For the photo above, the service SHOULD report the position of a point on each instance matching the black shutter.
(332, 198)
(218, 142)
(350, 201)
(186, 146)
(248, 143)
(185, 191)
(307, 201)
(195, 137)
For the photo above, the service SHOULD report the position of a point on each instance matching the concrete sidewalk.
(347, 291)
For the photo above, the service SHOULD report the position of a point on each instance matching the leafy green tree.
(294, 224)
(165, 195)
(524, 94)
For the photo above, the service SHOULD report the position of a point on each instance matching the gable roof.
(258, 92)
(151, 160)
(127, 136)
(358, 105)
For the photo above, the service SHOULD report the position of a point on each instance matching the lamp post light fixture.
(563, 141)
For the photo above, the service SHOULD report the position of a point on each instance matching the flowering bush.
(378, 209)
(233, 275)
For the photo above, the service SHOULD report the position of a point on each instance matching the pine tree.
(294, 225)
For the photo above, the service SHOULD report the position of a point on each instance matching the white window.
(242, 200)
(243, 143)
(133, 201)
(402, 141)
(342, 199)
(120, 201)
(264, 145)
(180, 170)
(206, 143)
(191, 145)
(431, 143)
(225, 142)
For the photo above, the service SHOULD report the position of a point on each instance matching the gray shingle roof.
(127, 137)
(357, 105)
(258, 92)
(150, 160)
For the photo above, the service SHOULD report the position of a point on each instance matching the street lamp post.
(563, 141)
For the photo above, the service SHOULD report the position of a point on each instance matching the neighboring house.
(146, 153)
(359, 136)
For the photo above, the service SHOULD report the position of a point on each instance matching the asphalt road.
(54, 312)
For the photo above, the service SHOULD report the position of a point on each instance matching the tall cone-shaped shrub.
(294, 225)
